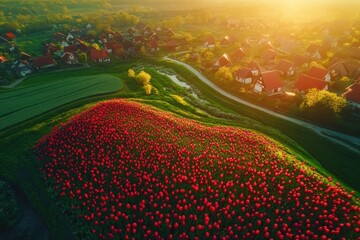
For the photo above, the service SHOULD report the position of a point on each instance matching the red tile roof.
(306, 82)
(10, 36)
(244, 73)
(253, 65)
(71, 48)
(95, 54)
(210, 40)
(353, 93)
(318, 73)
(285, 65)
(268, 56)
(299, 60)
(110, 44)
(238, 55)
(2, 59)
(271, 79)
(224, 60)
(43, 61)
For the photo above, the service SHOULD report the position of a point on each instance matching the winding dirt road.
(348, 141)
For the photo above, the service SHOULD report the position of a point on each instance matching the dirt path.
(345, 140)
(30, 226)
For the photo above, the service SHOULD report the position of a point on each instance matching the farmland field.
(169, 177)
(23, 103)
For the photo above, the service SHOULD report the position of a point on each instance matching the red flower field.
(125, 170)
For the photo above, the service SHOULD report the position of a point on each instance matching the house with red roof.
(244, 75)
(69, 58)
(103, 38)
(254, 68)
(98, 55)
(225, 41)
(352, 95)
(172, 44)
(209, 42)
(301, 60)
(109, 45)
(286, 67)
(2, 59)
(269, 83)
(153, 46)
(268, 56)
(222, 61)
(50, 49)
(306, 82)
(118, 50)
(320, 73)
(71, 49)
(43, 62)
(10, 36)
(238, 55)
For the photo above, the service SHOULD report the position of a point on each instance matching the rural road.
(334, 136)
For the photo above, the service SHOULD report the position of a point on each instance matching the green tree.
(143, 78)
(323, 105)
(224, 75)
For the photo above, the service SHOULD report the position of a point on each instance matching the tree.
(82, 58)
(323, 105)
(143, 78)
(131, 73)
(148, 89)
(224, 75)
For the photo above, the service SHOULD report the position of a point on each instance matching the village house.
(320, 73)
(254, 68)
(268, 57)
(352, 95)
(238, 55)
(225, 41)
(269, 83)
(223, 61)
(98, 56)
(286, 67)
(69, 58)
(25, 57)
(109, 46)
(306, 82)
(153, 46)
(118, 50)
(316, 51)
(244, 75)
(71, 49)
(172, 44)
(209, 42)
(343, 68)
(50, 49)
(10, 36)
(43, 62)
(21, 68)
(301, 61)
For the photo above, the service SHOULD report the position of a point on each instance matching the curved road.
(334, 136)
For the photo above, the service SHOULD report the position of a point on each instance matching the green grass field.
(24, 102)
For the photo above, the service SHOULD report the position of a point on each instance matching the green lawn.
(25, 102)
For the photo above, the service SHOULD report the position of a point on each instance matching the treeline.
(65, 14)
